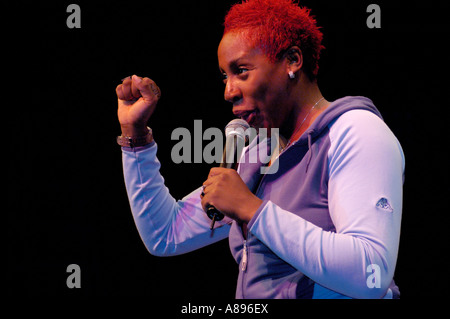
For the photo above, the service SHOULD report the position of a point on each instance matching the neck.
(308, 103)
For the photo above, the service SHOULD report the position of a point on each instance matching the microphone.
(235, 140)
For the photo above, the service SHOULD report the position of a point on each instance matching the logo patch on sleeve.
(384, 204)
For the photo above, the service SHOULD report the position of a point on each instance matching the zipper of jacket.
(244, 263)
(244, 257)
(264, 175)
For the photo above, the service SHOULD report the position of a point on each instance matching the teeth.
(250, 117)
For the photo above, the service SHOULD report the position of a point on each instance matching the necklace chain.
(301, 124)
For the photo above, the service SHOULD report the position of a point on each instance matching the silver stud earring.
(291, 75)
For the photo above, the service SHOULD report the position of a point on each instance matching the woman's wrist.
(134, 131)
(135, 137)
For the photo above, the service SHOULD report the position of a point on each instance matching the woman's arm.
(167, 227)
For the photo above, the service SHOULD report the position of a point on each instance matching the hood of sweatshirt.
(334, 110)
(331, 113)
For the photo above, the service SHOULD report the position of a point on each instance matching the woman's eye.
(238, 71)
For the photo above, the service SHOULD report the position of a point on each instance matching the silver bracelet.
(135, 141)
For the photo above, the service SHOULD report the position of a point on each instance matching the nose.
(232, 93)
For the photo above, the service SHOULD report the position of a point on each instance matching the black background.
(66, 195)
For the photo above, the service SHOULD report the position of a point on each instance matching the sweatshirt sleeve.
(366, 166)
(167, 227)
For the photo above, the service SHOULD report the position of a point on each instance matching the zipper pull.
(244, 257)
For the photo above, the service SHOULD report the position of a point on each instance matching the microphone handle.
(213, 213)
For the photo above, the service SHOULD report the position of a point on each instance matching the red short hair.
(277, 25)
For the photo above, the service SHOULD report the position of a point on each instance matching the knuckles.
(124, 90)
(147, 81)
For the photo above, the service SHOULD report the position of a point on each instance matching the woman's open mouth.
(249, 116)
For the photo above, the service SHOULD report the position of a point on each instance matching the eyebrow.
(235, 62)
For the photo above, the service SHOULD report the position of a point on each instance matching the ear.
(294, 59)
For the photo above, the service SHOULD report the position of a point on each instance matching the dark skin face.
(258, 88)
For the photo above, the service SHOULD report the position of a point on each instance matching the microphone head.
(236, 127)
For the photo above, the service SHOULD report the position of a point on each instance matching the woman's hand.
(225, 190)
(137, 99)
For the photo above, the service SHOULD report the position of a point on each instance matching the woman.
(326, 224)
